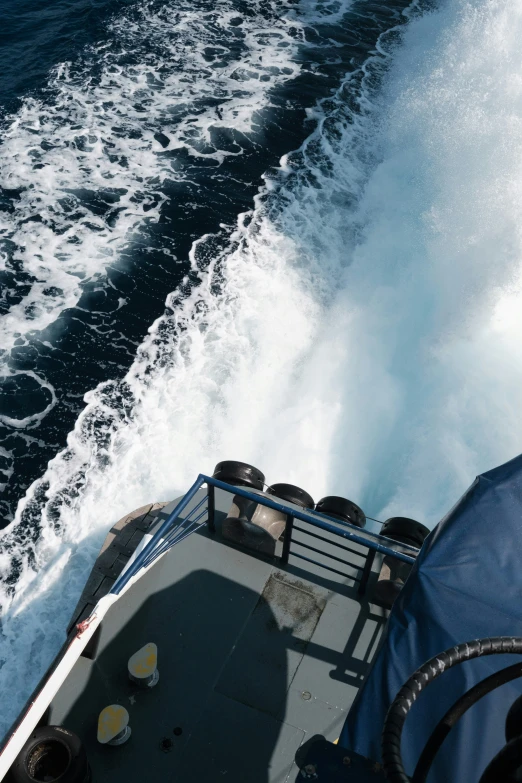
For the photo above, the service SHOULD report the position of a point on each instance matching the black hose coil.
(403, 702)
(455, 713)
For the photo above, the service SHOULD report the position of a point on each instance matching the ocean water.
(287, 232)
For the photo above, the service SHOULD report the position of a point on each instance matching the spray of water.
(360, 336)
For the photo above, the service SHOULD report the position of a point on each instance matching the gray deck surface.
(254, 659)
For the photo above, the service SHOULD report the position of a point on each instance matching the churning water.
(353, 325)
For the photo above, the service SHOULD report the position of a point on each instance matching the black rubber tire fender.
(69, 762)
(239, 474)
(405, 530)
(292, 494)
(343, 509)
(44, 720)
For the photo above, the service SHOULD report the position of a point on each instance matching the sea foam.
(360, 336)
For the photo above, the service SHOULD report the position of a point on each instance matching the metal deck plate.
(253, 658)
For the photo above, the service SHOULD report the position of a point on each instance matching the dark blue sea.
(280, 231)
(132, 129)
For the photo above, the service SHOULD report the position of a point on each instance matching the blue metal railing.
(174, 530)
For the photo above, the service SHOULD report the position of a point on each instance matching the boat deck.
(254, 660)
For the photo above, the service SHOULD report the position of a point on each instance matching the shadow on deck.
(254, 659)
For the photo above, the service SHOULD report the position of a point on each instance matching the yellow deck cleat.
(143, 666)
(113, 725)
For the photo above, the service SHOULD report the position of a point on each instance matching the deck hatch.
(272, 644)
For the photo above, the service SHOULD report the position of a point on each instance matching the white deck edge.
(51, 687)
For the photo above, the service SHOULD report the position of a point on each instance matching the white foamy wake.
(85, 163)
(361, 336)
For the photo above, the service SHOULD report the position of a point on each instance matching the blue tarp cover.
(466, 584)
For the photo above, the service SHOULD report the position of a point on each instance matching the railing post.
(211, 506)
(287, 540)
(370, 557)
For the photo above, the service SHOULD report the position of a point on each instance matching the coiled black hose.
(394, 723)
(455, 713)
